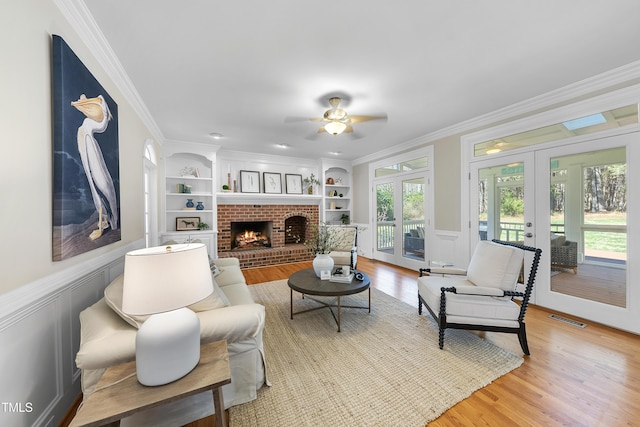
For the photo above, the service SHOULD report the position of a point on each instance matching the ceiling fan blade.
(348, 129)
(322, 129)
(361, 119)
(295, 119)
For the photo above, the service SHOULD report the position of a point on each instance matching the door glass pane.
(413, 230)
(385, 218)
(501, 203)
(588, 247)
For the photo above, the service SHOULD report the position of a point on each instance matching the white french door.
(547, 194)
(502, 192)
(599, 289)
(401, 219)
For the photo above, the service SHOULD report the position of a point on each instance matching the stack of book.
(339, 278)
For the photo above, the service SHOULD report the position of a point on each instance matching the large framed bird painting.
(86, 176)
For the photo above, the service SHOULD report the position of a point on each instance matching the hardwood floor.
(574, 376)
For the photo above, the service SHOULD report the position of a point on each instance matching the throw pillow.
(215, 271)
(113, 298)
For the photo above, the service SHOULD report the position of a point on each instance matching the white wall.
(40, 299)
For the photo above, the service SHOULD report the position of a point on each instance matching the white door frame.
(427, 174)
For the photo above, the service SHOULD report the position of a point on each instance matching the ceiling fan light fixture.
(335, 128)
(336, 114)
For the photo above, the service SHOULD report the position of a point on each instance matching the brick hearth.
(279, 253)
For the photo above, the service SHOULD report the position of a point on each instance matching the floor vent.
(569, 321)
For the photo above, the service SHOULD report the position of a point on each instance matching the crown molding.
(81, 20)
(617, 76)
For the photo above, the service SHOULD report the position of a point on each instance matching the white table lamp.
(162, 281)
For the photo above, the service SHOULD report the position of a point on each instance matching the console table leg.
(218, 404)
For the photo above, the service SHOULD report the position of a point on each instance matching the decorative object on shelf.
(186, 223)
(190, 203)
(187, 189)
(293, 183)
(330, 181)
(179, 188)
(203, 226)
(340, 195)
(332, 205)
(338, 181)
(235, 186)
(310, 182)
(199, 206)
(345, 219)
(249, 182)
(225, 187)
(189, 171)
(272, 182)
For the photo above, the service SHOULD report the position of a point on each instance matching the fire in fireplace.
(251, 235)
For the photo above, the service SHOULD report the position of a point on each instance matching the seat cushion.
(495, 266)
(471, 306)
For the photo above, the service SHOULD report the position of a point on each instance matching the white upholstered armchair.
(346, 250)
(481, 297)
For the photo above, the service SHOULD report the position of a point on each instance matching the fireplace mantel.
(268, 199)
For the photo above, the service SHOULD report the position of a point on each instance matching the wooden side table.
(126, 395)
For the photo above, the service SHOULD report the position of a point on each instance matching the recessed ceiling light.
(335, 153)
(215, 135)
(282, 146)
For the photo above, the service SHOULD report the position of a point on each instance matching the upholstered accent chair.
(482, 296)
(346, 249)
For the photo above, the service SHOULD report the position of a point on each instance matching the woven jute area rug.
(384, 368)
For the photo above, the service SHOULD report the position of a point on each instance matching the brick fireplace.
(284, 249)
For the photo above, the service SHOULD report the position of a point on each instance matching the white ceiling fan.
(336, 120)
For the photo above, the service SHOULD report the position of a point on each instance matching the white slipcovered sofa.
(108, 339)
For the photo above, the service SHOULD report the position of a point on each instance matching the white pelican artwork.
(102, 189)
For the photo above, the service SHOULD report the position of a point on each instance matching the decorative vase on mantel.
(322, 262)
(310, 189)
(199, 206)
(190, 203)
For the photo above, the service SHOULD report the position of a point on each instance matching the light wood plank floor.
(574, 376)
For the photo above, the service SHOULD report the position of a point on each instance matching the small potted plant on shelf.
(310, 182)
(202, 226)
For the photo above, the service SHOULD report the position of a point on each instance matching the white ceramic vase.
(322, 262)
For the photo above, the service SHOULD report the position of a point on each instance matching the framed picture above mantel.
(249, 182)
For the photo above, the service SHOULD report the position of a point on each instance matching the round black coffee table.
(307, 283)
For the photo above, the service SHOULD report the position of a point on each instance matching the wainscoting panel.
(40, 336)
(36, 329)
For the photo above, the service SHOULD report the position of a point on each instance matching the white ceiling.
(245, 68)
